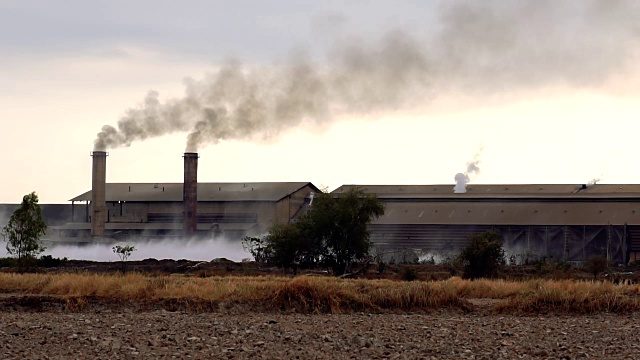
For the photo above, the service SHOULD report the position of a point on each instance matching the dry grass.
(334, 295)
(306, 294)
(324, 294)
(564, 296)
(574, 297)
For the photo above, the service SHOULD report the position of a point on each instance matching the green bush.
(483, 256)
(7, 262)
(48, 261)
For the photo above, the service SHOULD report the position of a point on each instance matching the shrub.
(7, 262)
(382, 266)
(409, 274)
(595, 266)
(541, 266)
(49, 261)
(483, 256)
(563, 266)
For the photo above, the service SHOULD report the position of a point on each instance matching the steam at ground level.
(176, 249)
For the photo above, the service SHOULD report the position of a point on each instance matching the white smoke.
(462, 179)
(437, 257)
(176, 249)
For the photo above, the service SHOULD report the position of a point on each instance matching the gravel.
(440, 335)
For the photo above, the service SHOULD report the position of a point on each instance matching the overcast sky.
(367, 92)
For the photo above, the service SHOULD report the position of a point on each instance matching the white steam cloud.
(481, 48)
(197, 250)
(462, 179)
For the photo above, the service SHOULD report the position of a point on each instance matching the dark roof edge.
(315, 188)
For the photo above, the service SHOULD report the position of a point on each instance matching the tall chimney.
(190, 194)
(98, 184)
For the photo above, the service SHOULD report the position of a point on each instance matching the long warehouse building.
(559, 222)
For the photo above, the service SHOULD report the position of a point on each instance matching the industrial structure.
(98, 180)
(559, 222)
(179, 210)
(157, 210)
(190, 195)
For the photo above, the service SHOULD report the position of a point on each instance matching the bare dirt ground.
(123, 334)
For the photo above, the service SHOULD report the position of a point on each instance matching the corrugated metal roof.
(501, 191)
(511, 213)
(170, 192)
(500, 204)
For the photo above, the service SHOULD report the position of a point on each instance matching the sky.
(331, 92)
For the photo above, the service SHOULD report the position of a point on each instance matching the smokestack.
(190, 193)
(98, 184)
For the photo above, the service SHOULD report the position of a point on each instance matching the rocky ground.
(122, 334)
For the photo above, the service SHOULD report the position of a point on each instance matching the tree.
(339, 224)
(285, 246)
(123, 252)
(483, 256)
(258, 248)
(333, 232)
(23, 232)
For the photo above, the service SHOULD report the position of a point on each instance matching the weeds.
(324, 294)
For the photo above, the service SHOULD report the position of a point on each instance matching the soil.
(33, 327)
(123, 334)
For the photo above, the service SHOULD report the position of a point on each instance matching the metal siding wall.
(556, 243)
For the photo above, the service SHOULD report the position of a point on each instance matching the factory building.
(559, 222)
(121, 211)
(156, 210)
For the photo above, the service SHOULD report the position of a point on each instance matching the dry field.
(309, 294)
(94, 316)
(436, 335)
